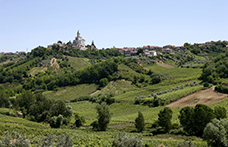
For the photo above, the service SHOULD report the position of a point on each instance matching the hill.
(132, 84)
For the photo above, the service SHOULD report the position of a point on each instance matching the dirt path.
(94, 92)
(54, 63)
(206, 97)
(165, 64)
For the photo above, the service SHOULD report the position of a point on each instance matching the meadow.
(78, 63)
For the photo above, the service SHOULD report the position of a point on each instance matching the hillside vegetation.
(59, 92)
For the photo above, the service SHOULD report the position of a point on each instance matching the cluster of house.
(11, 53)
(154, 50)
(150, 50)
(206, 43)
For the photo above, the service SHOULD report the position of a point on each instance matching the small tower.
(93, 45)
(78, 33)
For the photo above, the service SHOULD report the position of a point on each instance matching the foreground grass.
(84, 136)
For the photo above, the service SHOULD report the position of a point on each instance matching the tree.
(56, 122)
(25, 100)
(4, 100)
(215, 133)
(164, 119)
(79, 120)
(187, 119)
(103, 82)
(220, 112)
(140, 122)
(104, 116)
(195, 119)
(139, 51)
(203, 115)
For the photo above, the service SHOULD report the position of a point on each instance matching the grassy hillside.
(117, 87)
(69, 93)
(36, 70)
(85, 136)
(78, 63)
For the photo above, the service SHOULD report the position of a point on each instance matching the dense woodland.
(30, 84)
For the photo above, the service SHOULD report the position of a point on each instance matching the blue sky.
(26, 24)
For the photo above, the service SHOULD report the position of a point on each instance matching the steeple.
(78, 34)
(92, 43)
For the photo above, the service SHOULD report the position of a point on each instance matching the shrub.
(94, 124)
(123, 140)
(137, 100)
(186, 144)
(177, 88)
(215, 133)
(103, 82)
(220, 112)
(192, 84)
(19, 141)
(79, 120)
(56, 122)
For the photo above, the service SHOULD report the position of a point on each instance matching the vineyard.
(128, 85)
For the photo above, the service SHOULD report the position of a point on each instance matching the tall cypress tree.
(140, 122)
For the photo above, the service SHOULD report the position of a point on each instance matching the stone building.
(79, 42)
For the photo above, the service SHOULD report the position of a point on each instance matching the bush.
(18, 140)
(137, 100)
(186, 144)
(56, 122)
(95, 125)
(123, 140)
(79, 120)
(4, 100)
(215, 133)
(103, 82)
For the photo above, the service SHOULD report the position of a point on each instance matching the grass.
(36, 70)
(121, 112)
(127, 72)
(199, 57)
(71, 92)
(78, 63)
(145, 91)
(117, 87)
(175, 72)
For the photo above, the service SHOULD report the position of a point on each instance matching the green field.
(78, 63)
(36, 70)
(117, 87)
(71, 92)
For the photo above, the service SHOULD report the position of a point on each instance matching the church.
(79, 42)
